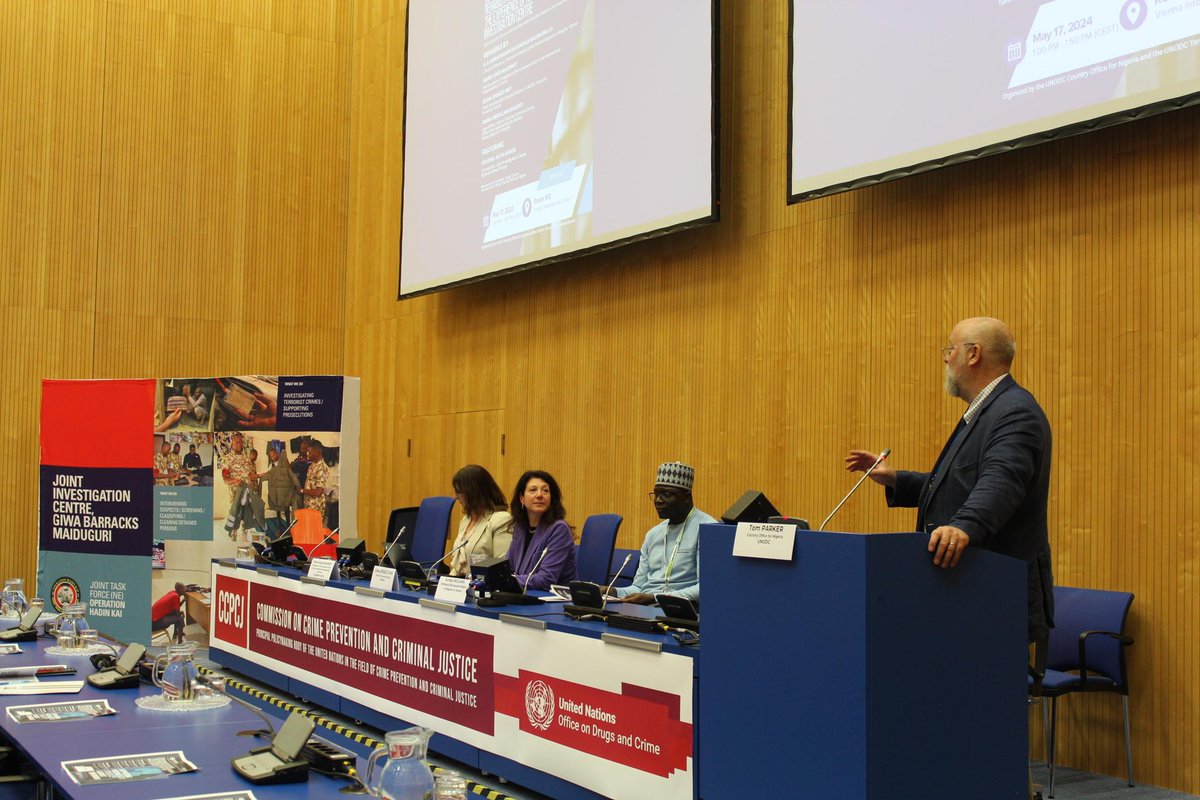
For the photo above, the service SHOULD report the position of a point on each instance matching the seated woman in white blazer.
(487, 526)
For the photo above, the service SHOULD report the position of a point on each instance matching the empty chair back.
(402, 522)
(1080, 610)
(431, 529)
(596, 545)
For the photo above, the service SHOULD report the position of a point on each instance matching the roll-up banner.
(144, 482)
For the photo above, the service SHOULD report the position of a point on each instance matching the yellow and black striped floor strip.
(345, 732)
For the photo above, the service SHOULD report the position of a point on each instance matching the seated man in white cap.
(671, 552)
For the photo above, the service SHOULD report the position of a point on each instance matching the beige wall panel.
(369, 14)
(375, 194)
(386, 370)
(131, 346)
(310, 19)
(762, 349)
(444, 443)
(51, 62)
(224, 170)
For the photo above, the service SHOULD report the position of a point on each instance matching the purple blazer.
(559, 564)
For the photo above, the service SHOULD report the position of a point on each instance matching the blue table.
(207, 738)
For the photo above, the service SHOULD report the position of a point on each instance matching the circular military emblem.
(539, 704)
(64, 592)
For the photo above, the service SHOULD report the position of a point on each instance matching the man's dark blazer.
(992, 481)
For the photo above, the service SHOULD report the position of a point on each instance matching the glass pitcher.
(13, 599)
(405, 777)
(69, 623)
(175, 672)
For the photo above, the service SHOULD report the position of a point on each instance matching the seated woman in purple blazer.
(543, 548)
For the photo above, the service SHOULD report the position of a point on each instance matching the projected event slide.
(880, 86)
(539, 127)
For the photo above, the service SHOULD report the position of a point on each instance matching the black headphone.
(103, 661)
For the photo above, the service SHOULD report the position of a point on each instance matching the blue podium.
(860, 670)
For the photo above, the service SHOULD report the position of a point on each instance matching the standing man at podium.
(990, 484)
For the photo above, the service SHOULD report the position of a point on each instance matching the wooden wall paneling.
(375, 194)
(310, 19)
(372, 353)
(443, 443)
(185, 346)
(369, 14)
(224, 171)
(51, 62)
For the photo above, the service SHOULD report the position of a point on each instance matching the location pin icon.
(1133, 13)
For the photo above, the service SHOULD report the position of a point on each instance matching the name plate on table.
(322, 569)
(384, 579)
(452, 590)
(765, 540)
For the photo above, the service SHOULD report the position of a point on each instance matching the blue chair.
(596, 543)
(1086, 653)
(627, 574)
(431, 529)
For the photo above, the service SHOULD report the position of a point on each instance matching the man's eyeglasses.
(948, 349)
(665, 494)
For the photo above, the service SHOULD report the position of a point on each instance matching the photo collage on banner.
(239, 460)
(219, 463)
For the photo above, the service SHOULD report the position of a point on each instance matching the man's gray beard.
(951, 385)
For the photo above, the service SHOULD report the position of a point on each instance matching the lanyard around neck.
(678, 539)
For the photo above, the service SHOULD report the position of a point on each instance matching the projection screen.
(880, 90)
(535, 130)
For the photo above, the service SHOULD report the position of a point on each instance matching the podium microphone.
(866, 474)
(536, 564)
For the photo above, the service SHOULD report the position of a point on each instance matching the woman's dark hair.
(553, 514)
(479, 489)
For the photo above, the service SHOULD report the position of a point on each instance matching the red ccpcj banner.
(438, 669)
(639, 727)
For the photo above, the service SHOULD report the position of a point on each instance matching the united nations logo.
(539, 704)
(64, 592)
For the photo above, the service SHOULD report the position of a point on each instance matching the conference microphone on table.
(327, 537)
(624, 564)
(866, 475)
(392, 544)
(447, 555)
(217, 684)
(536, 564)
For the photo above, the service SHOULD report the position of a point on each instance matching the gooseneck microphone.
(536, 564)
(624, 564)
(449, 553)
(388, 549)
(217, 683)
(866, 474)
